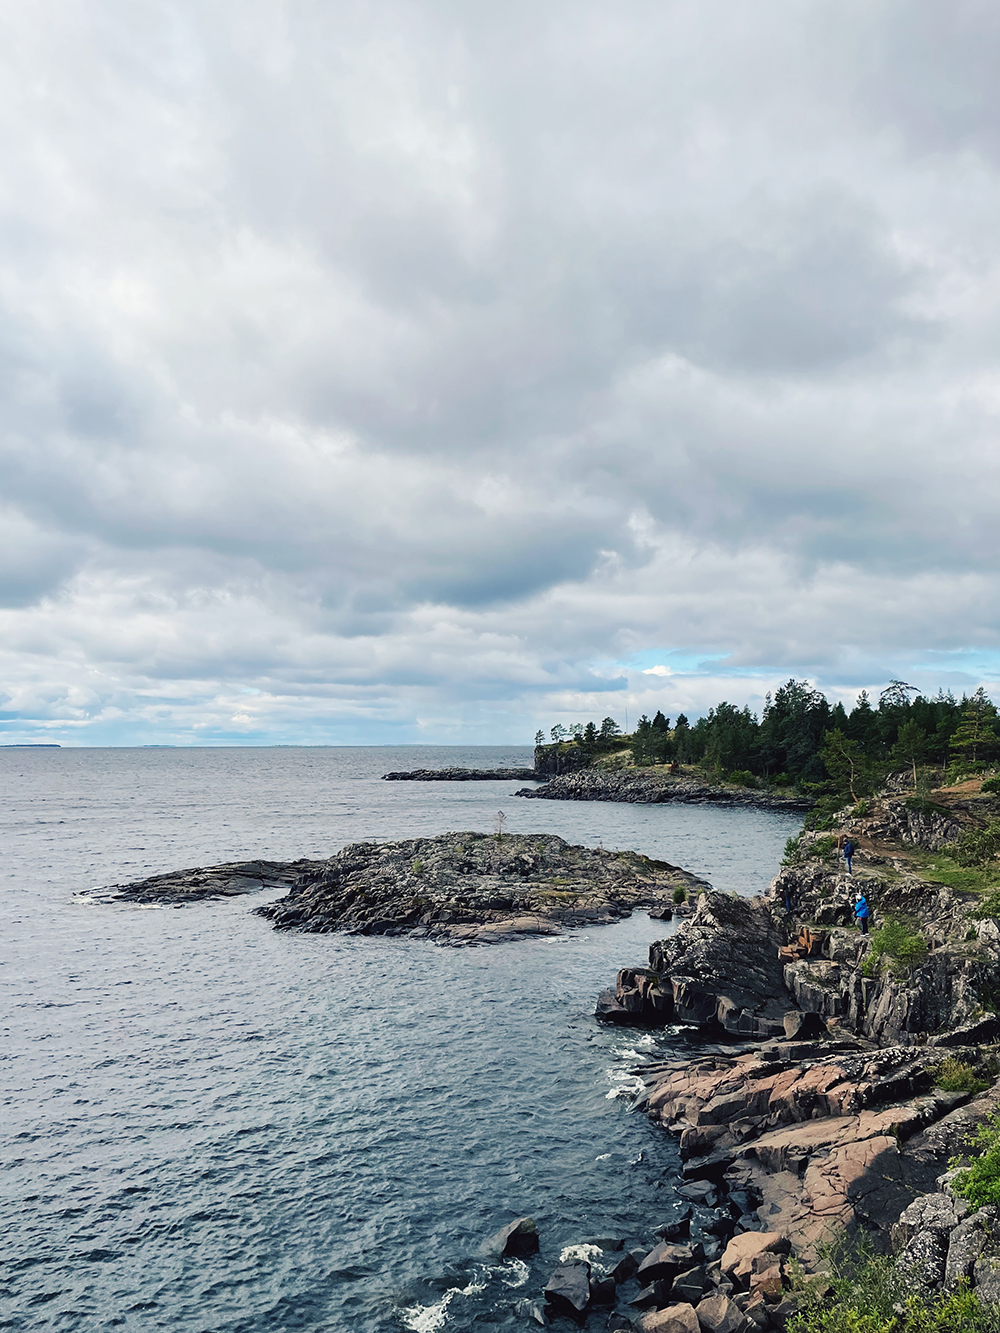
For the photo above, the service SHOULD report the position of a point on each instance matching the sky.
(436, 372)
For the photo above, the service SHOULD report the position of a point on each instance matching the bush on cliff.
(980, 1182)
(896, 948)
(977, 847)
(871, 1296)
(953, 1075)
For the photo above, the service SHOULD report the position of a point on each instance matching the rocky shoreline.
(832, 1116)
(463, 775)
(636, 788)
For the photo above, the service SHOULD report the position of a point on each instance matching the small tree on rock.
(910, 746)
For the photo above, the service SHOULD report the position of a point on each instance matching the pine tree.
(849, 767)
(910, 746)
(975, 740)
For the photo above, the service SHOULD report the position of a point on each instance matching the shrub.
(743, 778)
(978, 846)
(418, 867)
(824, 849)
(680, 894)
(953, 1075)
(991, 787)
(870, 1295)
(989, 906)
(862, 808)
(980, 1182)
(793, 851)
(781, 780)
(895, 947)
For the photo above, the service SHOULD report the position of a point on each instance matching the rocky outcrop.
(461, 775)
(225, 881)
(636, 788)
(881, 998)
(912, 822)
(821, 1141)
(674, 1288)
(468, 888)
(942, 1244)
(720, 972)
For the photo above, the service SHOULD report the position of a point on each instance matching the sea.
(209, 1126)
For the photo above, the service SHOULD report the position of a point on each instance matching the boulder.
(568, 1289)
(602, 1291)
(986, 1276)
(922, 1260)
(690, 1286)
(701, 1192)
(666, 1261)
(742, 1250)
(718, 1314)
(520, 1237)
(653, 1297)
(967, 1242)
(678, 1229)
(800, 1026)
(674, 1319)
(768, 1279)
(931, 1212)
(626, 1266)
(531, 1310)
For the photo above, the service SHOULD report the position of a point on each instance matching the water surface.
(210, 1125)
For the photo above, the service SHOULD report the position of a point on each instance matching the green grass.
(943, 869)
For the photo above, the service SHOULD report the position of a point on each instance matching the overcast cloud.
(435, 371)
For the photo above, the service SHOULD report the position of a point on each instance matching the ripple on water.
(209, 1125)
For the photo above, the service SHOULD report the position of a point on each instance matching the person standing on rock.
(861, 912)
(848, 853)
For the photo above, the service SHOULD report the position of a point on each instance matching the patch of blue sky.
(976, 663)
(679, 663)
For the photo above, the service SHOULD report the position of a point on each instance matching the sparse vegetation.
(680, 894)
(896, 948)
(793, 851)
(870, 1295)
(953, 1075)
(980, 1181)
(943, 869)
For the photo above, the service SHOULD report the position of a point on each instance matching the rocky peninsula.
(462, 775)
(635, 787)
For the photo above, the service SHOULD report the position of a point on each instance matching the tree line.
(801, 740)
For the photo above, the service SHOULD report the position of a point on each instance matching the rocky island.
(456, 888)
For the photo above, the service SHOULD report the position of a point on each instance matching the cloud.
(409, 365)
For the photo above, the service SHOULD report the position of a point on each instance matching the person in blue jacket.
(848, 853)
(861, 912)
